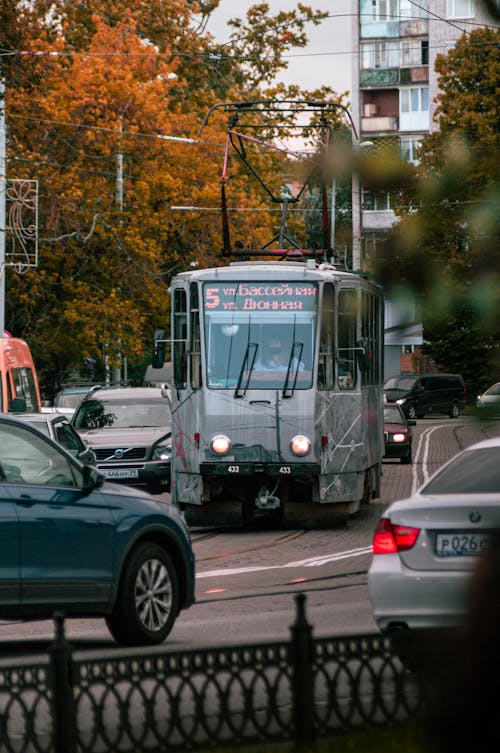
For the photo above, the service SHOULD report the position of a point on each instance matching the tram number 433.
(283, 469)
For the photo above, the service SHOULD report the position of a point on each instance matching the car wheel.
(410, 411)
(454, 411)
(148, 598)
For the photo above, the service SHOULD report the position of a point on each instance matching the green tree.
(445, 248)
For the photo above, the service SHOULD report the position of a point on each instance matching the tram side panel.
(351, 448)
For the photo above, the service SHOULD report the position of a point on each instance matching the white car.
(488, 404)
(426, 547)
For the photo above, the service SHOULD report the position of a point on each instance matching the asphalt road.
(247, 578)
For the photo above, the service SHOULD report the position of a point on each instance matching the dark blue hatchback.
(71, 542)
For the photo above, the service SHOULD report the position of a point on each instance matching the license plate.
(120, 472)
(461, 544)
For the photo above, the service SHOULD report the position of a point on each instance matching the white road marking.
(310, 562)
(423, 451)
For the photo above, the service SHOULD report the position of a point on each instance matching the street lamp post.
(356, 209)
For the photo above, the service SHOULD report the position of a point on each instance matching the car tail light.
(391, 539)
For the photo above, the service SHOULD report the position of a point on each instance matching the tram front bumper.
(276, 470)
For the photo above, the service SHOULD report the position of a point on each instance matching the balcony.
(379, 123)
(379, 76)
(414, 28)
(379, 29)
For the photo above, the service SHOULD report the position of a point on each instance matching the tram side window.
(180, 339)
(195, 350)
(347, 345)
(327, 340)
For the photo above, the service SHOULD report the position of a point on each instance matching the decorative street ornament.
(21, 250)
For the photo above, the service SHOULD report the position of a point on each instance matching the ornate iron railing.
(152, 702)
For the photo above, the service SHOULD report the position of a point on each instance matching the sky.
(327, 58)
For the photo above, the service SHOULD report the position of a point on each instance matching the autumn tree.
(445, 248)
(105, 115)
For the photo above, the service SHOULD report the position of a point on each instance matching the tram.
(276, 394)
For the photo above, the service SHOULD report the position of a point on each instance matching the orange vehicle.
(19, 389)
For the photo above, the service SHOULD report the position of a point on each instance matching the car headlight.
(401, 401)
(399, 437)
(162, 452)
(300, 445)
(220, 444)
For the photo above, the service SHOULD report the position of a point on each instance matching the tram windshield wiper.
(293, 369)
(248, 358)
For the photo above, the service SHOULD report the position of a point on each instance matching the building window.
(409, 9)
(460, 8)
(380, 55)
(414, 52)
(415, 99)
(409, 148)
(384, 10)
(375, 202)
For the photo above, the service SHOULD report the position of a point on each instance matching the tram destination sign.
(260, 296)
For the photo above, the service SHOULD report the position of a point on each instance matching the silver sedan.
(426, 547)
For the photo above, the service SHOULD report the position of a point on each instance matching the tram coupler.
(266, 501)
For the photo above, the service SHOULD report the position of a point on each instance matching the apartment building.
(394, 91)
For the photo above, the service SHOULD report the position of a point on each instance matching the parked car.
(426, 547)
(68, 398)
(58, 428)
(129, 429)
(397, 433)
(488, 404)
(72, 542)
(419, 394)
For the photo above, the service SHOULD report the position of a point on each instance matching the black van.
(418, 394)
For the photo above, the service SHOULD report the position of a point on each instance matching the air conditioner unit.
(369, 110)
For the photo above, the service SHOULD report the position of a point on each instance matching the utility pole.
(3, 199)
(117, 372)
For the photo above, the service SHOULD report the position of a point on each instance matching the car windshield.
(114, 414)
(472, 472)
(392, 415)
(495, 390)
(40, 425)
(69, 399)
(399, 383)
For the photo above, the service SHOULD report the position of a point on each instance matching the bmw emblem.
(474, 516)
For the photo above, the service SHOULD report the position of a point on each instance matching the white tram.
(277, 374)
(302, 440)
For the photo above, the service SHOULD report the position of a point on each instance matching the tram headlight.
(300, 445)
(220, 444)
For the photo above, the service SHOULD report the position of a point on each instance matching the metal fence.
(155, 701)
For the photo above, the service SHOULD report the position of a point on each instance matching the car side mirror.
(159, 349)
(91, 479)
(411, 422)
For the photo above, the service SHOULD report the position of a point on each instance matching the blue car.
(71, 542)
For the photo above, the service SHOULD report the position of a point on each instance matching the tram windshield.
(260, 334)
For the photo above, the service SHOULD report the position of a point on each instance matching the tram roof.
(265, 270)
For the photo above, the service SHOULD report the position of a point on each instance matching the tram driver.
(275, 358)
